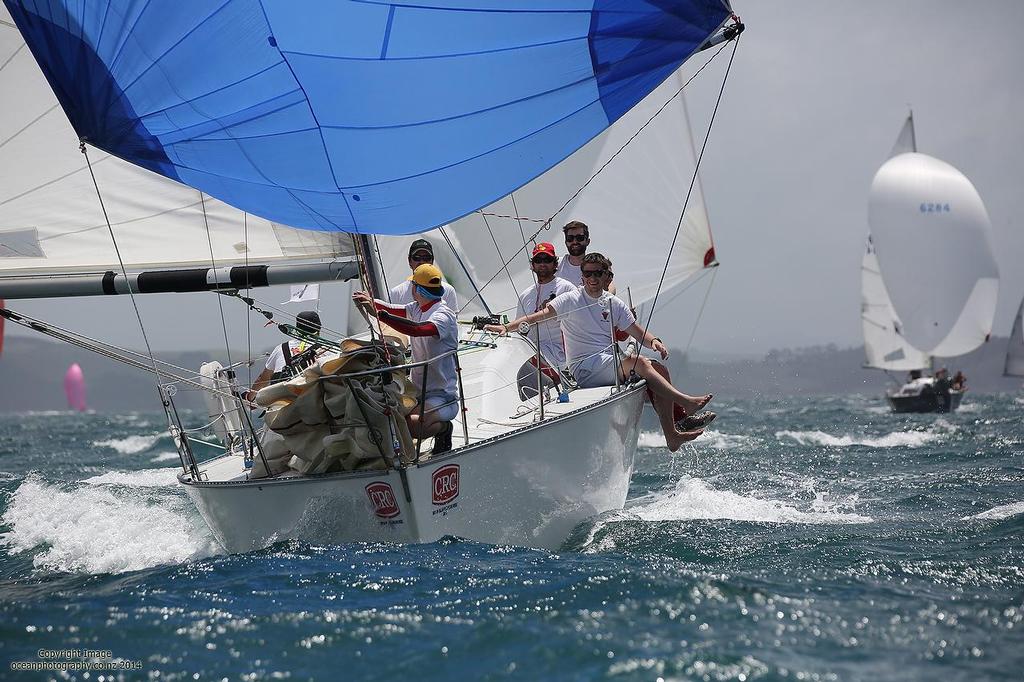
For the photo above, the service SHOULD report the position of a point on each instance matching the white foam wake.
(709, 439)
(898, 439)
(102, 529)
(999, 513)
(129, 445)
(695, 499)
(146, 478)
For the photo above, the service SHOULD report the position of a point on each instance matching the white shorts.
(445, 407)
(596, 370)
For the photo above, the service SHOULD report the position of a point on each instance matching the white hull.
(530, 487)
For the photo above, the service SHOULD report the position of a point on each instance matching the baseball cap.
(544, 248)
(427, 275)
(308, 321)
(421, 245)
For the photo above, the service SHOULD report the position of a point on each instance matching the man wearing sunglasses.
(548, 286)
(577, 241)
(421, 252)
(587, 316)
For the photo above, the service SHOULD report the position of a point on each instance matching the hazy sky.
(818, 93)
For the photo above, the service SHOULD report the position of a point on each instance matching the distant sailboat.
(1015, 351)
(74, 388)
(929, 277)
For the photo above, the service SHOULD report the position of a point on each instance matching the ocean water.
(820, 539)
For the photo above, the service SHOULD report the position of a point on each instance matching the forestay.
(884, 346)
(50, 218)
(1015, 351)
(382, 117)
(933, 241)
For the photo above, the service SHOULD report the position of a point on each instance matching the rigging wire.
(117, 250)
(504, 266)
(248, 290)
(216, 278)
(700, 313)
(689, 192)
(462, 264)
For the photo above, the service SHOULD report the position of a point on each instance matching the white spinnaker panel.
(1015, 351)
(51, 220)
(632, 208)
(884, 346)
(933, 240)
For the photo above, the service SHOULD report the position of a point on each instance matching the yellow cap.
(427, 275)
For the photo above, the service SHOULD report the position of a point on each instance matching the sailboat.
(929, 279)
(1014, 366)
(249, 147)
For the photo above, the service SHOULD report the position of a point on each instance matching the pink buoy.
(74, 387)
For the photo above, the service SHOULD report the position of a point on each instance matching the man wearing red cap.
(543, 263)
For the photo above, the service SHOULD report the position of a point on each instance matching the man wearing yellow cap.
(543, 262)
(433, 330)
(421, 252)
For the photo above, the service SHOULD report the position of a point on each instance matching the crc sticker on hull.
(382, 497)
(445, 484)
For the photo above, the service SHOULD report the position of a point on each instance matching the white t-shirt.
(587, 322)
(275, 361)
(570, 272)
(441, 379)
(534, 299)
(401, 294)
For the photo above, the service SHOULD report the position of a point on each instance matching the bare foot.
(675, 441)
(695, 405)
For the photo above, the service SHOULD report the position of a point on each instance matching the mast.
(370, 265)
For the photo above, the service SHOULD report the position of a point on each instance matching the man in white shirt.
(588, 317)
(421, 252)
(577, 241)
(548, 286)
(291, 357)
(433, 331)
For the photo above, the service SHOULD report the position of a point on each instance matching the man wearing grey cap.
(421, 251)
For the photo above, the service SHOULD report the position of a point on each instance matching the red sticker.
(446, 484)
(382, 497)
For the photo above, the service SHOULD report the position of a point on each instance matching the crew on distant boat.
(543, 263)
(577, 240)
(942, 386)
(421, 251)
(291, 357)
(587, 316)
(433, 330)
(959, 381)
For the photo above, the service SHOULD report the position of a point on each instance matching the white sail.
(1015, 352)
(933, 241)
(51, 220)
(906, 141)
(633, 203)
(884, 345)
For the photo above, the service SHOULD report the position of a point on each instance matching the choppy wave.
(102, 529)
(897, 439)
(999, 513)
(165, 457)
(710, 439)
(693, 498)
(130, 444)
(145, 478)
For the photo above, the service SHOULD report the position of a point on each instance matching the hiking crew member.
(292, 356)
(587, 316)
(547, 287)
(432, 330)
(421, 251)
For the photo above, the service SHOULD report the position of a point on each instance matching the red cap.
(545, 248)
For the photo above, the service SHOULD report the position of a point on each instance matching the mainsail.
(1015, 351)
(372, 117)
(51, 221)
(933, 241)
(884, 345)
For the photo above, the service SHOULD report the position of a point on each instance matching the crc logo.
(382, 497)
(445, 484)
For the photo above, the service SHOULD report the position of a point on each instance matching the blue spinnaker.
(356, 115)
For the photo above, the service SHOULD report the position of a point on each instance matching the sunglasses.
(422, 259)
(575, 238)
(543, 259)
(593, 273)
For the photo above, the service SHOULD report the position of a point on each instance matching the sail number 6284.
(934, 208)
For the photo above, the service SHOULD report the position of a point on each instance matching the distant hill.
(32, 375)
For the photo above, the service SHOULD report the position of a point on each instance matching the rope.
(117, 250)
(689, 192)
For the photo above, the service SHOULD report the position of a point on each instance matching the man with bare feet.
(588, 316)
